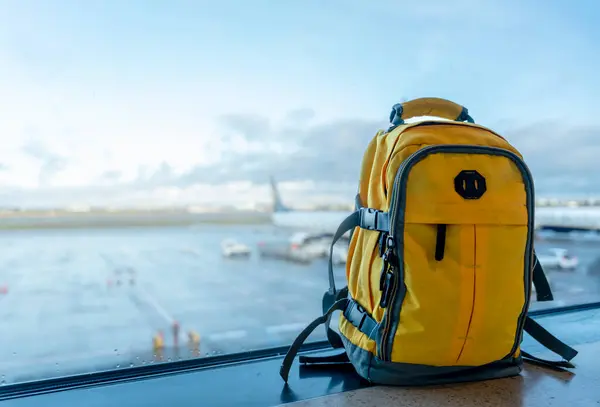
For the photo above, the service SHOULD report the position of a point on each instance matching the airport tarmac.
(81, 300)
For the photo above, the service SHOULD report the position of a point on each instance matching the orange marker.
(158, 341)
(194, 342)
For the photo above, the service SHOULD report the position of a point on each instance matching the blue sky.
(192, 101)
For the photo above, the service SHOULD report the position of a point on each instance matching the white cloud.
(121, 114)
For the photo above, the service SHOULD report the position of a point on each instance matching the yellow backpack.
(441, 261)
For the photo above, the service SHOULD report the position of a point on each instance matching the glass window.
(173, 172)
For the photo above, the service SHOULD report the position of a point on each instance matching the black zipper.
(396, 236)
(440, 242)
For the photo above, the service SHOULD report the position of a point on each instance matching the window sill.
(258, 383)
(535, 387)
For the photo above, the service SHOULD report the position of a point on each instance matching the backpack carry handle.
(429, 107)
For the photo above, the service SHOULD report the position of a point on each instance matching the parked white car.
(557, 258)
(232, 248)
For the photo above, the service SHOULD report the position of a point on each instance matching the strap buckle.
(373, 219)
(357, 314)
(369, 218)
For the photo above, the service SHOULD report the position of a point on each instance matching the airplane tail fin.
(278, 205)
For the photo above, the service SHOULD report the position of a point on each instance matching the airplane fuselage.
(322, 221)
(565, 219)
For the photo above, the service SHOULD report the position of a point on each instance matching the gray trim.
(360, 358)
(397, 210)
(377, 371)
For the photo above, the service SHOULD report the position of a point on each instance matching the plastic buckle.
(363, 315)
(368, 218)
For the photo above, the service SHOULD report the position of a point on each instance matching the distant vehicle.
(305, 247)
(317, 245)
(232, 248)
(314, 245)
(283, 251)
(314, 233)
(557, 258)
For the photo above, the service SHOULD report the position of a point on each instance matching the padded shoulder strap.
(542, 288)
(365, 218)
(295, 347)
(545, 338)
(537, 332)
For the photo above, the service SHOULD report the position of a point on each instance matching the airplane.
(315, 222)
(313, 232)
(561, 220)
(570, 223)
(568, 219)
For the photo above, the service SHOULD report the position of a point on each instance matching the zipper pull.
(386, 283)
(386, 256)
(382, 277)
(389, 249)
(387, 272)
(382, 243)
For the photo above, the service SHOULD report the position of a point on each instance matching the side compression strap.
(357, 206)
(328, 300)
(545, 338)
(365, 218)
(542, 288)
(357, 316)
(293, 351)
(527, 357)
(332, 295)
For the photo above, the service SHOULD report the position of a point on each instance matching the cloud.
(111, 176)
(239, 194)
(324, 152)
(50, 163)
(300, 116)
(252, 127)
(313, 161)
(563, 158)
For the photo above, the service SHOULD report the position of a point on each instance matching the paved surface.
(80, 300)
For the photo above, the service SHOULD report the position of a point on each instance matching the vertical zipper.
(440, 242)
(396, 233)
(388, 284)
